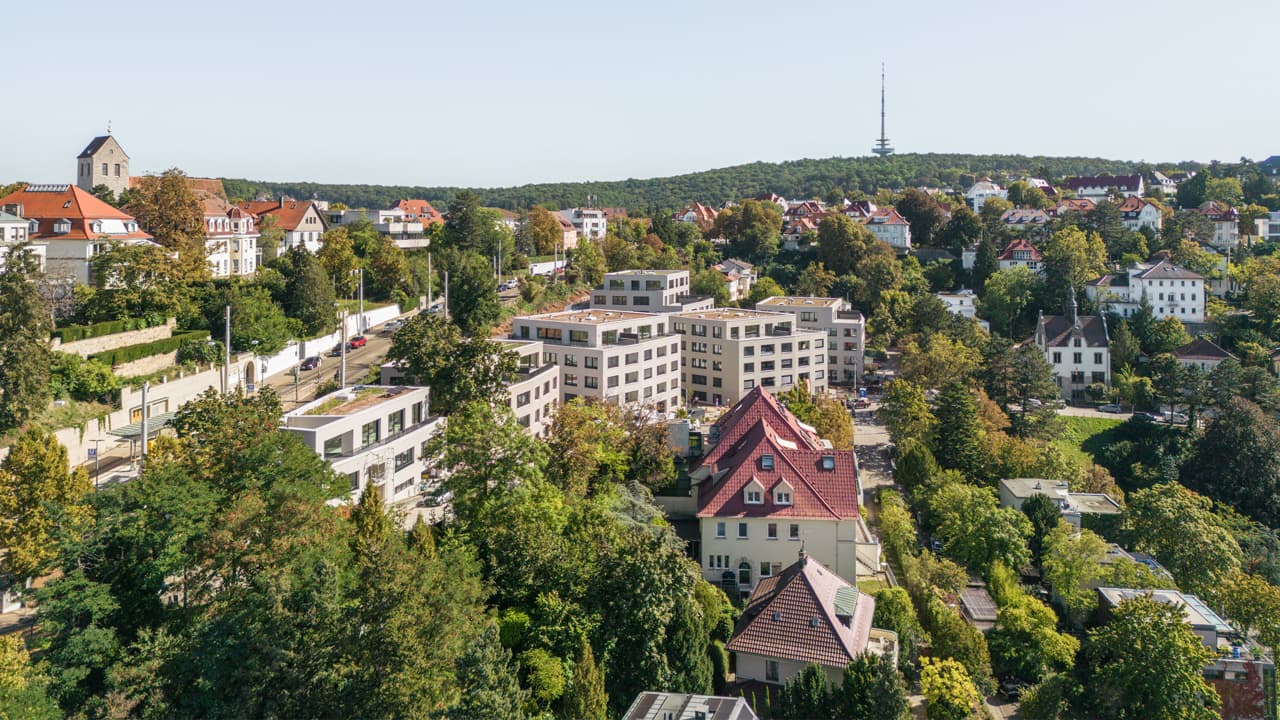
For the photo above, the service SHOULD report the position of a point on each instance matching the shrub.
(72, 333)
(71, 376)
(201, 350)
(130, 353)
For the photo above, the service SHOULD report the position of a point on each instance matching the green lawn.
(1083, 436)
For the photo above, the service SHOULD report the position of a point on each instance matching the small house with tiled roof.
(768, 486)
(419, 211)
(1138, 212)
(697, 214)
(1226, 224)
(1171, 290)
(301, 221)
(1202, 353)
(1069, 205)
(1025, 219)
(72, 225)
(1021, 253)
(803, 614)
(1078, 347)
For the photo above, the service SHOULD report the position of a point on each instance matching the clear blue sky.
(504, 93)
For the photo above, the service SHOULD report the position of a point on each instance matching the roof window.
(828, 462)
(766, 462)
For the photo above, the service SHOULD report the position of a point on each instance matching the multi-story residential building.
(103, 162)
(72, 225)
(886, 223)
(616, 356)
(419, 211)
(1242, 672)
(1022, 253)
(1026, 220)
(1078, 348)
(1172, 291)
(1138, 212)
(739, 275)
(698, 214)
(962, 302)
(983, 190)
(656, 291)
(725, 352)
(804, 615)
(769, 487)
(15, 231)
(375, 436)
(535, 392)
(301, 221)
(1074, 506)
(588, 223)
(1226, 224)
(392, 222)
(844, 326)
(231, 238)
(1097, 187)
(1202, 353)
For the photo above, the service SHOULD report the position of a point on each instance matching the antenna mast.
(882, 147)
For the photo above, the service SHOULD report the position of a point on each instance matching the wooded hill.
(797, 178)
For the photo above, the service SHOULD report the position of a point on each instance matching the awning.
(155, 423)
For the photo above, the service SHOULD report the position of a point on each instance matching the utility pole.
(145, 386)
(342, 372)
(226, 350)
(362, 327)
(446, 294)
(97, 470)
(429, 279)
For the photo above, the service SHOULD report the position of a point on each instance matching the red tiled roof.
(426, 214)
(805, 613)
(1021, 244)
(884, 216)
(1076, 204)
(1219, 212)
(288, 213)
(758, 404)
(1134, 204)
(48, 204)
(829, 493)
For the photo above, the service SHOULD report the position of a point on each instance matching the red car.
(358, 341)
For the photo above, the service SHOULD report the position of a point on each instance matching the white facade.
(590, 223)
(621, 357)
(231, 242)
(375, 436)
(536, 390)
(964, 303)
(657, 291)
(15, 231)
(405, 231)
(1171, 291)
(845, 329)
(891, 228)
(982, 191)
(726, 352)
(1078, 350)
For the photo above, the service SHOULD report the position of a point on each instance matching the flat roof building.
(844, 326)
(1015, 491)
(616, 356)
(658, 291)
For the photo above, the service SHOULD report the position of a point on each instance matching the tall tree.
(308, 294)
(1160, 519)
(473, 295)
(986, 263)
(488, 683)
(949, 693)
(338, 256)
(922, 212)
(1005, 299)
(871, 688)
(165, 207)
(257, 322)
(458, 370)
(1124, 347)
(1146, 662)
(41, 497)
(958, 436)
(25, 323)
(843, 243)
(814, 281)
(1237, 461)
(586, 697)
(1072, 257)
(587, 264)
(711, 283)
(895, 612)
(806, 696)
(754, 227)
(905, 412)
(545, 233)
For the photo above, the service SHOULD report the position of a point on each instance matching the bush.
(71, 376)
(72, 333)
(130, 353)
(406, 301)
(201, 350)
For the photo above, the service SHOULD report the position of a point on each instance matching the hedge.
(130, 353)
(72, 333)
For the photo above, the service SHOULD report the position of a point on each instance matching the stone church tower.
(103, 162)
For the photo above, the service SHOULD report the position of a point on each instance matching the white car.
(392, 326)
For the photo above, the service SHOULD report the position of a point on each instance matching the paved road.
(871, 443)
(1090, 412)
(358, 364)
(1002, 708)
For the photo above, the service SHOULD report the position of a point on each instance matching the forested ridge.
(796, 178)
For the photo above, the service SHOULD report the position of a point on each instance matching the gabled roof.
(288, 213)
(1059, 330)
(423, 210)
(1165, 270)
(1202, 349)
(823, 483)
(1127, 183)
(1073, 204)
(1024, 216)
(1219, 212)
(806, 613)
(48, 204)
(884, 216)
(95, 145)
(1021, 245)
(1132, 205)
(756, 405)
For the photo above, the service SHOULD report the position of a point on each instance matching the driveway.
(1090, 412)
(1002, 708)
(871, 443)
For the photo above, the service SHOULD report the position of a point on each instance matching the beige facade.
(726, 351)
(844, 326)
(658, 291)
(753, 548)
(103, 162)
(536, 390)
(611, 355)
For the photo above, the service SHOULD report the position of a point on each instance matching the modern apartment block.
(844, 326)
(725, 352)
(375, 435)
(612, 355)
(536, 389)
(658, 291)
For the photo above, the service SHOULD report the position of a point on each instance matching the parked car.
(392, 326)
(1178, 417)
(1013, 689)
(1032, 404)
(336, 350)
(1113, 408)
(861, 404)
(358, 341)
(1149, 417)
(311, 363)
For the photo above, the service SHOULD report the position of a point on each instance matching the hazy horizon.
(509, 94)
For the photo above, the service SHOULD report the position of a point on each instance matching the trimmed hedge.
(130, 353)
(72, 333)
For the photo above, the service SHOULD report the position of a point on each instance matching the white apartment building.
(1226, 224)
(590, 223)
(962, 302)
(611, 355)
(1172, 291)
(394, 222)
(725, 352)
(231, 238)
(14, 231)
(1137, 213)
(1078, 348)
(536, 389)
(844, 326)
(983, 190)
(374, 435)
(656, 291)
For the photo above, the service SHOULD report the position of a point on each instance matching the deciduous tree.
(949, 692)
(41, 498)
(25, 323)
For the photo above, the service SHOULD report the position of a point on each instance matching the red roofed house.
(231, 237)
(1137, 213)
(1022, 252)
(886, 223)
(1226, 224)
(300, 219)
(770, 487)
(698, 214)
(1066, 205)
(419, 211)
(73, 225)
(806, 614)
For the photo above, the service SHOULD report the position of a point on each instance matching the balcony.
(382, 442)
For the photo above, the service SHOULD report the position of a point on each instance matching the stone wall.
(89, 346)
(147, 365)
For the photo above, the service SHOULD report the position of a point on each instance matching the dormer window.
(828, 462)
(754, 496)
(766, 462)
(782, 497)
(62, 227)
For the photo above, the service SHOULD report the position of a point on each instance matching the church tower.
(103, 162)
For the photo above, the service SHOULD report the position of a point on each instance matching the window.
(748, 367)
(395, 422)
(699, 379)
(333, 446)
(828, 462)
(1097, 358)
(720, 531)
(374, 474)
(591, 381)
(104, 168)
(613, 381)
(571, 379)
(599, 300)
(117, 168)
(794, 531)
(632, 377)
(591, 362)
(772, 533)
(753, 496)
(771, 671)
(355, 480)
(748, 384)
(744, 573)
(1077, 358)
(766, 461)
(404, 459)
(782, 496)
(369, 433)
(766, 569)
(1057, 358)
(633, 358)
(522, 399)
(742, 531)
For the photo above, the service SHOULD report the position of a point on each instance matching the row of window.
(1076, 358)
(785, 380)
(771, 532)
